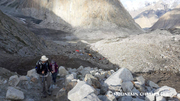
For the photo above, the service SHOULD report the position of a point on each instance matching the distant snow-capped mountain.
(147, 12)
(132, 5)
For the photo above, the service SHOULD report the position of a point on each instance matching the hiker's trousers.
(46, 82)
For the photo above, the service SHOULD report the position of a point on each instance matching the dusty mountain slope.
(158, 50)
(90, 14)
(169, 20)
(15, 39)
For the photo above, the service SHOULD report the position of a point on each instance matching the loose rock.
(14, 80)
(91, 97)
(152, 84)
(14, 94)
(61, 92)
(166, 91)
(91, 80)
(116, 78)
(141, 80)
(110, 96)
(62, 71)
(32, 73)
(127, 86)
(80, 91)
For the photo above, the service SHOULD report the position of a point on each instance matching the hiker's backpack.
(39, 65)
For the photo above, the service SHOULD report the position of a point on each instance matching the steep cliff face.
(17, 40)
(78, 13)
(169, 20)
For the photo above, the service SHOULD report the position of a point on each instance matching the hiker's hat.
(44, 58)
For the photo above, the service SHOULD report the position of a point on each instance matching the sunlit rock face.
(78, 13)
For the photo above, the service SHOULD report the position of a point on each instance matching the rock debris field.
(84, 84)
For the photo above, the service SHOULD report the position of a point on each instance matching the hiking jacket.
(56, 67)
(43, 67)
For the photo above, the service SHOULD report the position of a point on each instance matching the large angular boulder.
(116, 78)
(32, 73)
(14, 94)
(166, 91)
(14, 80)
(80, 91)
(62, 71)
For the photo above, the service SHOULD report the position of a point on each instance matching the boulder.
(102, 97)
(135, 91)
(160, 98)
(148, 88)
(35, 80)
(5, 81)
(100, 76)
(110, 96)
(70, 77)
(14, 94)
(97, 91)
(24, 78)
(32, 73)
(125, 98)
(14, 80)
(127, 86)
(80, 68)
(152, 84)
(141, 80)
(91, 97)
(115, 88)
(104, 89)
(178, 96)
(62, 71)
(72, 70)
(92, 72)
(139, 86)
(61, 92)
(166, 91)
(85, 71)
(150, 97)
(71, 85)
(80, 91)
(93, 81)
(116, 78)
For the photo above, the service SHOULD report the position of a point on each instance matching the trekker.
(54, 68)
(43, 69)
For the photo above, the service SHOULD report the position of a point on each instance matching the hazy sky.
(135, 4)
